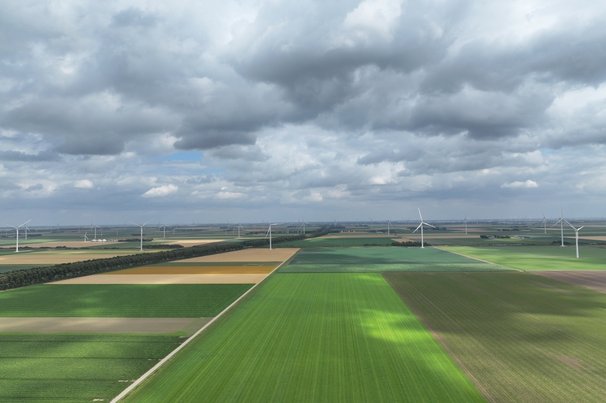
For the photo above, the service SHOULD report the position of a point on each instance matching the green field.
(539, 257)
(75, 368)
(166, 300)
(522, 337)
(379, 259)
(313, 338)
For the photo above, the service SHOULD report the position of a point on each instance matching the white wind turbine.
(561, 221)
(576, 235)
(268, 234)
(86, 237)
(388, 227)
(17, 237)
(465, 225)
(421, 225)
(141, 235)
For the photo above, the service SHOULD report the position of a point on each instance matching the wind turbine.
(561, 221)
(576, 235)
(423, 223)
(465, 225)
(269, 234)
(388, 227)
(86, 237)
(544, 224)
(141, 236)
(17, 237)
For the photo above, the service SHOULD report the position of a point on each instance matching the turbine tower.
(141, 236)
(388, 227)
(17, 237)
(465, 225)
(269, 234)
(576, 235)
(561, 221)
(421, 225)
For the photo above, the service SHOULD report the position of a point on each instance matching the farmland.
(314, 337)
(379, 259)
(521, 337)
(74, 367)
(538, 257)
(124, 300)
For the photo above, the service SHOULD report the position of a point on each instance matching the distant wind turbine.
(17, 237)
(388, 227)
(421, 225)
(141, 236)
(268, 234)
(561, 221)
(85, 236)
(465, 225)
(576, 235)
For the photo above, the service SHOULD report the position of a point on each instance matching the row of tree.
(37, 275)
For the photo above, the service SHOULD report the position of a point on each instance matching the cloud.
(161, 191)
(84, 184)
(527, 184)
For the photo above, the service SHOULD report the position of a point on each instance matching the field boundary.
(163, 361)
(480, 260)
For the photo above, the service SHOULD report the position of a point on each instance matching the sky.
(253, 111)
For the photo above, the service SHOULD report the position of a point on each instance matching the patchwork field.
(229, 278)
(538, 257)
(188, 242)
(338, 242)
(124, 300)
(379, 259)
(520, 337)
(313, 337)
(75, 367)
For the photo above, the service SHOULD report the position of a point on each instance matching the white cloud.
(527, 184)
(161, 191)
(84, 184)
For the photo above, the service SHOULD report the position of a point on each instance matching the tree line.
(63, 271)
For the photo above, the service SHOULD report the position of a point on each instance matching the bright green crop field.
(379, 259)
(143, 301)
(539, 257)
(313, 338)
(75, 368)
(523, 338)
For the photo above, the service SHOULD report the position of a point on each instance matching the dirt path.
(101, 325)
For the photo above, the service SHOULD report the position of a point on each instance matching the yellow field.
(67, 244)
(167, 269)
(248, 255)
(188, 242)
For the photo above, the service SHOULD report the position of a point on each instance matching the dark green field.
(75, 368)
(523, 338)
(313, 338)
(336, 242)
(144, 301)
(551, 257)
(379, 259)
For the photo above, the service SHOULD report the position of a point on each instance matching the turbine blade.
(417, 228)
(428, 225)
(420, 214)
(581, 227)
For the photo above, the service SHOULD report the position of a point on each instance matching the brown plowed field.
(596, 280)
(101, 325)
(247, 255)
(166, 279)
(189, 242)
(167, 269)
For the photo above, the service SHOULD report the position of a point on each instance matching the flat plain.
(519, 336)
(313, 337)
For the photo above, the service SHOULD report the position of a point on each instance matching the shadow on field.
(521, 336)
